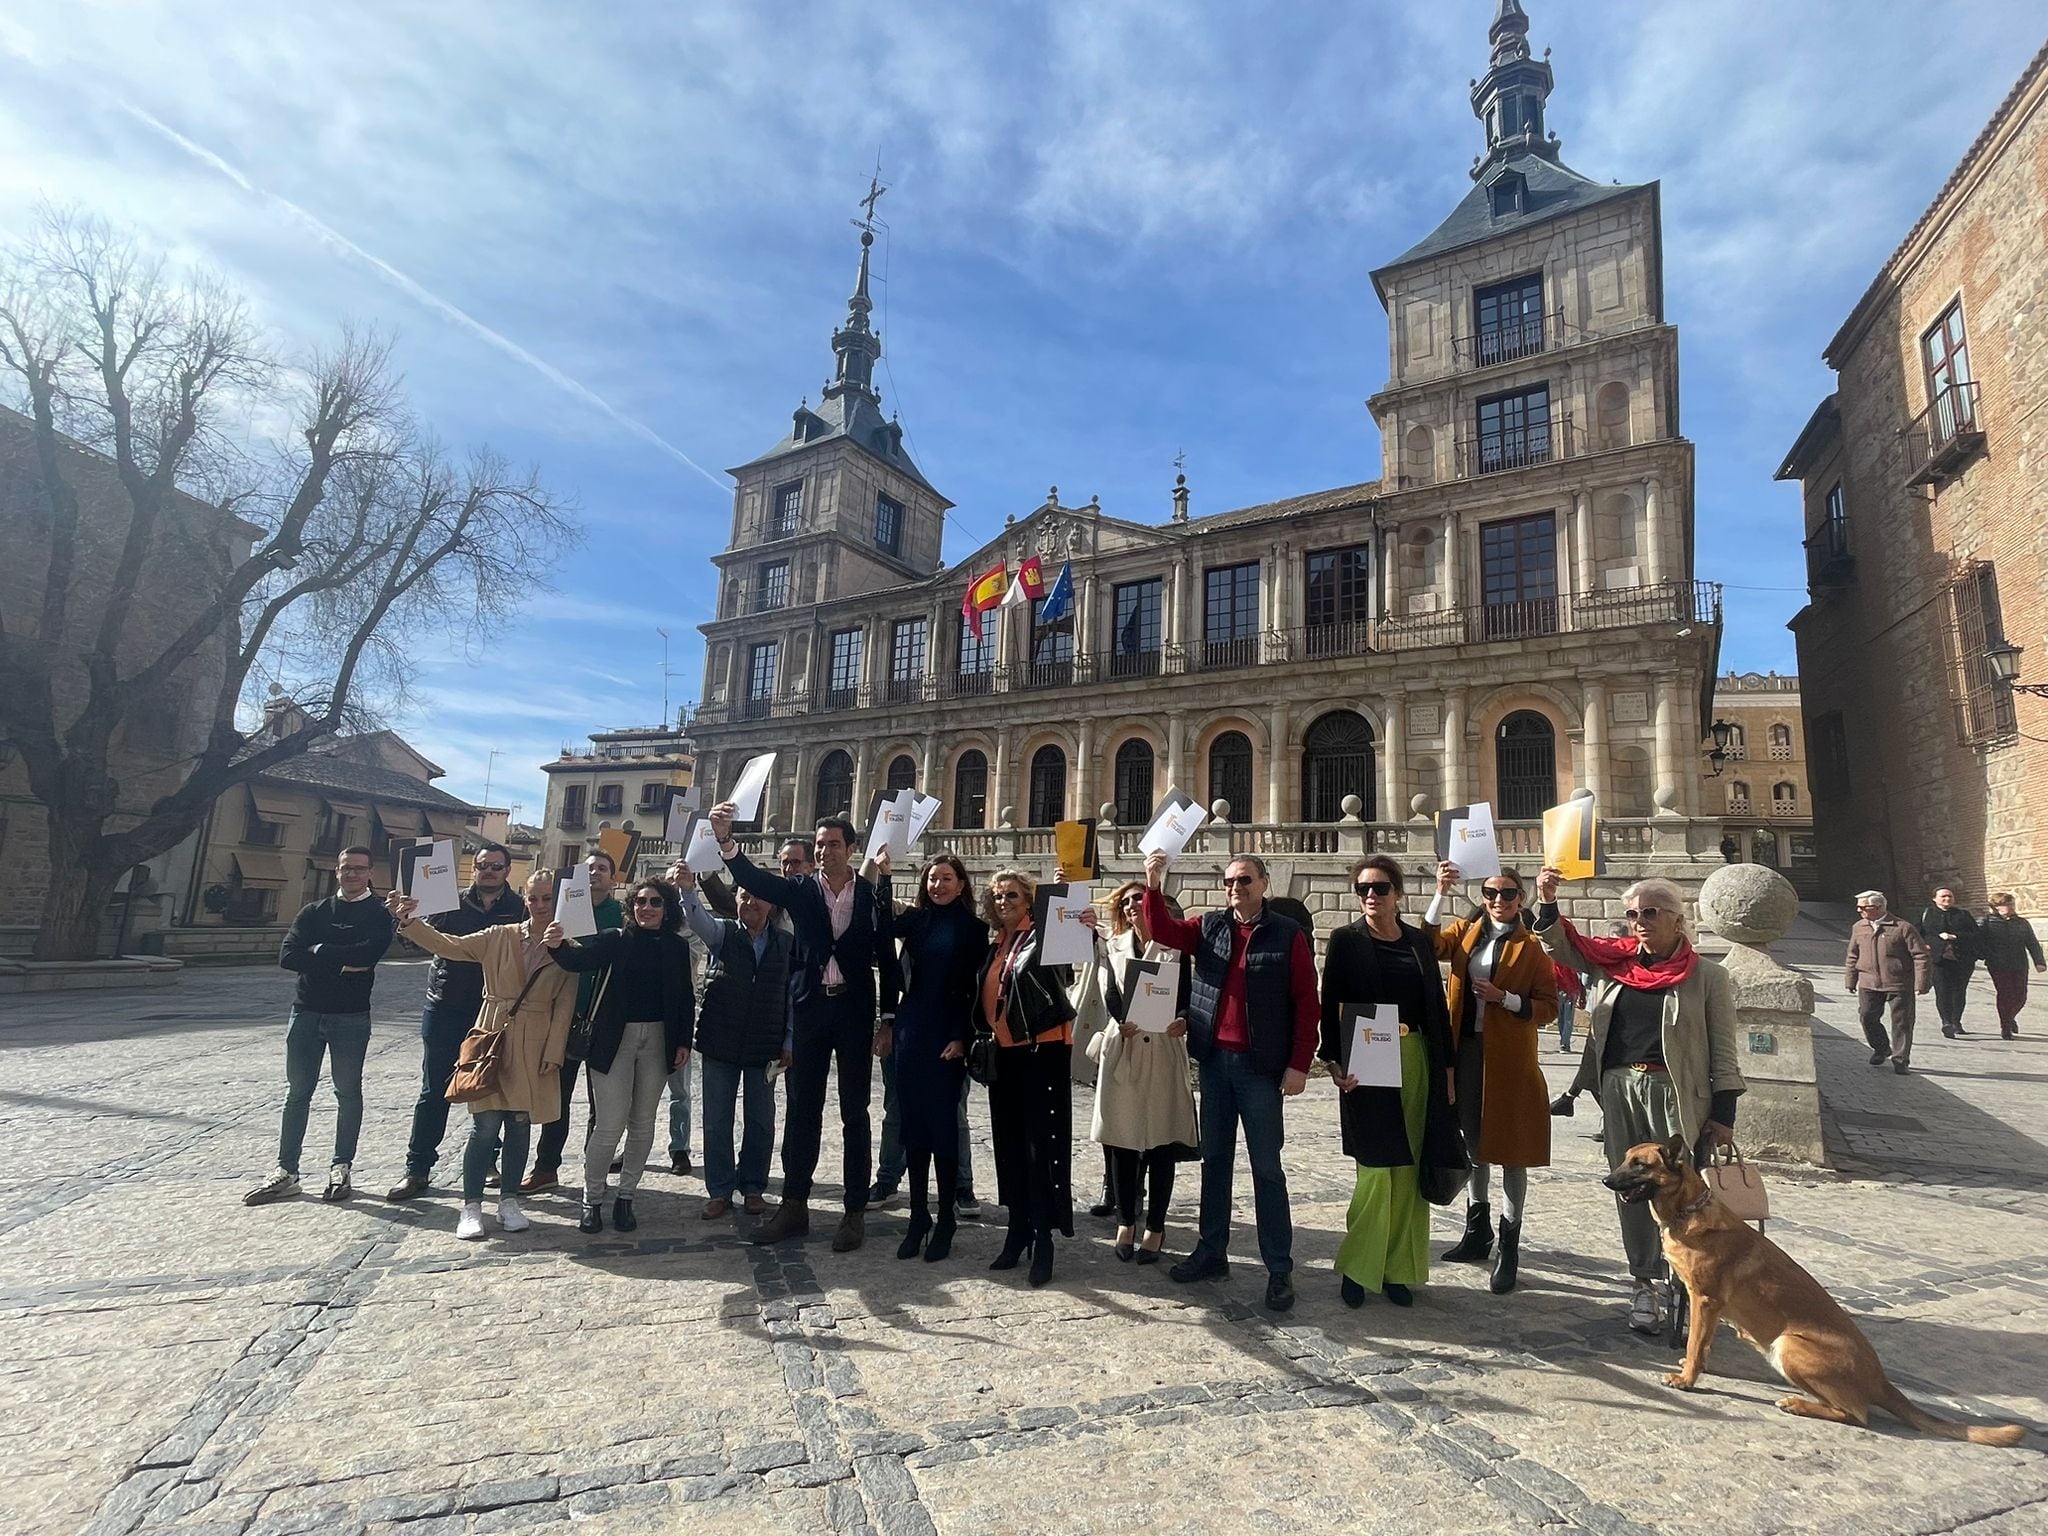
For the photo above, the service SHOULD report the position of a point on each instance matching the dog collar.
(1706, 1199)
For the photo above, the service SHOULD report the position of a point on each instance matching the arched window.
(834, 796)
(1525, 766)
(970, 790)
(1048, 802)
(1610, 416)
(1738, 798)
(1336, 760)
(1781, 739)
(902, 773)
(1784, 800)
(1134, 784)
(1419, 461)
(1738, 743)
(1230, 774)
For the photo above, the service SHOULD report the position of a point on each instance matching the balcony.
(908, 690)
(1784, 807)
(1228, 655)
(1525, 337)
(1496, 453)
(757, 707)
(1943, 437)
(1124, 664)
(1828, 561)
(830, 699)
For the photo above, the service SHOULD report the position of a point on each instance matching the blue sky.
(614, 240)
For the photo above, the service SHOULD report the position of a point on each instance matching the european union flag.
(1059, 598)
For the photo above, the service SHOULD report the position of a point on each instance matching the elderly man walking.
(1886, 967)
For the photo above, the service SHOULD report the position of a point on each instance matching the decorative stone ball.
(1106, 813)
(1748, 903)
(1219, 809)
(1666, 798)
(1582, 793)
(1420, 805)
(1351, 806)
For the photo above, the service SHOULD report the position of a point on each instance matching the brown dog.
(1734, 1271)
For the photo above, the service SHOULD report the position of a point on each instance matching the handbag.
(1737, 1185)
(582, 1027)
(983, 1052)
(482, 1054)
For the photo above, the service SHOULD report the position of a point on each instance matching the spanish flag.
(984, 593)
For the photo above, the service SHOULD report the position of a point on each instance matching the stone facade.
(620, 780)
(1509, 612)
(1924, 483)
(1761, 792)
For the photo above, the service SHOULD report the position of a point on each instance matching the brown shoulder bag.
(482, 1054)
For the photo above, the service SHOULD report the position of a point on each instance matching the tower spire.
(855, 344)
(1509, 99)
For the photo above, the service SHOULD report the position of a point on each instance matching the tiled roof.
(1315, 501)
(324, 771)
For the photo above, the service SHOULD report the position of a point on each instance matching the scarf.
(1623, 961)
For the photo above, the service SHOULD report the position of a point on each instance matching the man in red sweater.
(1252, 1022)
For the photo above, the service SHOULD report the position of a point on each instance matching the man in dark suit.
(843, 947)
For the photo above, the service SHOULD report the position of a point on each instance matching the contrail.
(342, 245)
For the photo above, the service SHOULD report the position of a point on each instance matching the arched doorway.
(1230, 774)
(1134, 783)
(1048, 802)
(970, 790)
(834, 796)
(902, 773)
(1525, 766)
(1336, 760)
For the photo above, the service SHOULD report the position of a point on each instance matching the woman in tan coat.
(530, 998)
(1502, 990)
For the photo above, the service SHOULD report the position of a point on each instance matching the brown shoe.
(852, 1232)
(412, 1184)
(713, 1209)
(792, 1218)
(538, 1180)
(756, 1206)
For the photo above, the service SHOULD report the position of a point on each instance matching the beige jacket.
(1142, 1096)
(537, 1037)
(1886, 956)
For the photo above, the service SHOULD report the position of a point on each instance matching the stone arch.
(1046, 782)
(1611, 416)
(1134, 780)
(1418, 456)
(832, 786)
(1339, 757)
(968, 788)
(1565, 719)
(901, 771)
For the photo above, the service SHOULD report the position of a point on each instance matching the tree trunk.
(77, 898)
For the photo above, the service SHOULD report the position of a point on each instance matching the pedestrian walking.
(455, 996)
(1950, 932)
(1660, 1047)
(2007, 943)
(1886, 967)
(529, 1000)
(1253, 1023)
(334, 946)
(554, 1136)
(640, 1033)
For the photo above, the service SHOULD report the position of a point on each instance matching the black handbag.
(983, 1052)
(1444, 1168)
(584, 1025)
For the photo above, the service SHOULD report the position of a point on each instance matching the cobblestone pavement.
(172, 1360)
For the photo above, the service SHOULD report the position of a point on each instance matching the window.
(1518, 576)
(1950, 392)
(258, 830)
(771, 586)
(1738, 798)
(1514, 430)
(1134, 784)
(1984, 708)
(970, 790)
(1052, 651)
(251, 906)
(1507, 320)
(787, 510)
(977, 656)
(1134, 607)
(1738, 744)
(1509, 195)
(842, 675)
(1048, 802)
(762, 658)
(1336, 760)
(653, 795)
(834, 794)
(1525, 766)
(907, 642)
(902, 773)
(1784, 800)
(1827, 547)
(573, 799)
(889, 524)
(1781, 740)
(333, 834)
(1829, 740)
(1230, 616)
(1230, 773)
(611, 799)
(1338, 602)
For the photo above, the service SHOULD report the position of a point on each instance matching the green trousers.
(1636, 1107)
(1386, 1231)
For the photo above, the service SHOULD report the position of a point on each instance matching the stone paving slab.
(172, 1360)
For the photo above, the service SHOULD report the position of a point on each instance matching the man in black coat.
(455, 996)
(844, 947)
(334, 946)
(1951, 934)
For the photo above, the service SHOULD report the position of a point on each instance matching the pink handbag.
(1737, 1185)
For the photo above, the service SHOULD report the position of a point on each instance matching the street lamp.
(2003, 659)
(1723, 734)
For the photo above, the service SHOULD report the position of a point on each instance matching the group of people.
(1891, 962)
(816, 972)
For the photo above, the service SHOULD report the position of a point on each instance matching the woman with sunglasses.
(640, 1031)
(1024, 1005)
(530, 1002)
(944, 940)
(1144, 1103)
(1380, 961)
(1660, 1047)
(1503, 990)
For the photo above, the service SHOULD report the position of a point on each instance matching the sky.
(614, 241)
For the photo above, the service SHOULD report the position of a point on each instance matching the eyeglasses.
(1501, 892)
(1642, 914)
(1132, 901)
(1231, 880)
(1374, 887)
(492, 869)
(1006, 897)
(649, 901)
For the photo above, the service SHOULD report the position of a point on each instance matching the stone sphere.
(1420, 805)
(1351, 805)
(1219, 808)
(1748, 903)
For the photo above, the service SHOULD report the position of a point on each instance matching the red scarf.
(1568, 984)
(1623, 961)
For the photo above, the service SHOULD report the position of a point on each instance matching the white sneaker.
(281, 1185)
(1645, 1315)
(511, 1218)
(470, 1224)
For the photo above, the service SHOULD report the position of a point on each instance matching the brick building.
(1924, 486)
(1508, 612)
(1765, 805)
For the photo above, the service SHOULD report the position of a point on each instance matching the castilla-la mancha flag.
(1029, 586)
(984, 593)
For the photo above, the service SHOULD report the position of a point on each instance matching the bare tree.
(311, 561)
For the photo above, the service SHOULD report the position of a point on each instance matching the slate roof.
(360, 781)
(1290, 506)
(854, 416)
(1554, 189)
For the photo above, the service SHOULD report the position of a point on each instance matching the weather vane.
(875, 191)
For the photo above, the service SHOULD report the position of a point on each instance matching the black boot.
(1506, 1260)
(1041, 1259)
(1477, 1242)
(913, 1240)
(1016, 1243)
(940, 1244)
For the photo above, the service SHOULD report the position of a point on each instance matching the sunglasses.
(1500, 892)
(1006, 897)
(1132, 901)
(1374, 887)
(492, 869)
(1641, 914)
(649, 901)
(1231, 880)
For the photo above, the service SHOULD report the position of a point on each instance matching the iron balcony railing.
(1493, 453)
(1943, 436)
(1524, 336)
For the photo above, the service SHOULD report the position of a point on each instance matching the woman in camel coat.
(1501, 991)
(514, 962)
